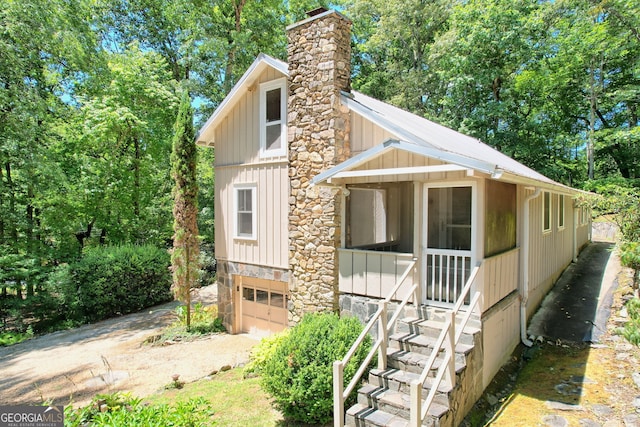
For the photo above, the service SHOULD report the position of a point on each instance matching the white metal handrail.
(447, 341)
(340, 392)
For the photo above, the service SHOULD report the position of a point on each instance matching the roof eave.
(204, 136)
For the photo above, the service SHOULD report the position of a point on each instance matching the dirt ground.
(70, 367)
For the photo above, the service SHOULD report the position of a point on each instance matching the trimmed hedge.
(114, 280)
(298, 374)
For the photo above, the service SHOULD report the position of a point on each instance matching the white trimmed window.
(560, 211)
(245, 211)
(585, 216)
(546, 212)
(273, 112)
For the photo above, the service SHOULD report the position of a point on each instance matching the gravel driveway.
(70, 367)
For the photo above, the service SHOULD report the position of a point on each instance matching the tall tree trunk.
(29, 235)
(1, 204)
(13, 229)
(592, 121)
(136, 178)
(229, 78)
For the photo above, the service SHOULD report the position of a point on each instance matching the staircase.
(385, 398)
(429, 363)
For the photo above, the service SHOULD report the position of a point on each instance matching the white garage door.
(263, 305)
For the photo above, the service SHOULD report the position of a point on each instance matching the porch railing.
(447, 341)
(385, 326)
(447, 273)
(373, 273)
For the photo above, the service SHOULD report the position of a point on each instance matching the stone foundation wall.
(226, 271)
(319, 54)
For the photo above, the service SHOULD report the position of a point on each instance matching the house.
(327, 199)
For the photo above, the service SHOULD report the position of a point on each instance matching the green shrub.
(630, 255)
(631, 329)
(263, 352)
(8, 338)
(298, 374)
(114, 280)
(120, 409)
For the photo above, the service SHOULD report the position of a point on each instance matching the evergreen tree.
(184, 259)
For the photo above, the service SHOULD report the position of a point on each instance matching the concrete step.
(400, 381)
(363, 416)
(415, 362)
(432, 328)
(424, 345)
(428, 312)
(396, 403)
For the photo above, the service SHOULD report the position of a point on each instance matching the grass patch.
(577, 374)
(572, 375)
(235, 400)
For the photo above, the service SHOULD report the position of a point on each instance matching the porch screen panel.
(368, 213)
(500, 218)
(449, 218)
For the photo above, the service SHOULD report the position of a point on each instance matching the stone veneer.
(319, 54)
(226, 271)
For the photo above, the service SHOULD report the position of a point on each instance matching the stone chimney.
(319, 57)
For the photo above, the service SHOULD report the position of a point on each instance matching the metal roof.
(439, 142)
(413, 133)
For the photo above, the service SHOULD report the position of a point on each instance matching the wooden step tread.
(400, 400)
(426, 341)
(406, 378)
(437, 324)
(375, 417)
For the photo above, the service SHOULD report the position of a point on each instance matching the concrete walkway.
(578, 306)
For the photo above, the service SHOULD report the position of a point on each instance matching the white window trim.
(544, 195)
(561, 212)
(264, 88)
(254, 220)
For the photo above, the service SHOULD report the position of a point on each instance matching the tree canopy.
(89, 92)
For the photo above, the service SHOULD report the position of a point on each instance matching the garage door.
(263, 305)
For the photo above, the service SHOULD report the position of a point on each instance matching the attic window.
(272, 118)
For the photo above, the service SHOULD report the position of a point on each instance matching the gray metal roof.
(452, 146)
(414, 134)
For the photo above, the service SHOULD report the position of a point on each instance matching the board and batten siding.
(366, 134)
(238, 162)
(550, 252)
(500, 275)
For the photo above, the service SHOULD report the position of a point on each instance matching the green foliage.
(298, 374)
(114, 280)
(263, 352)
(120, 409)
(631, 329)
(10, 338)
(204, 320)
(630, 255)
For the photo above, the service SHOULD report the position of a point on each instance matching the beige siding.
(549, 252)
(402, 159)
(271, 246)
(500, 336)
(373, 273)
(499, 277)
(365, 134)
(237, 139)
(237, 147)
